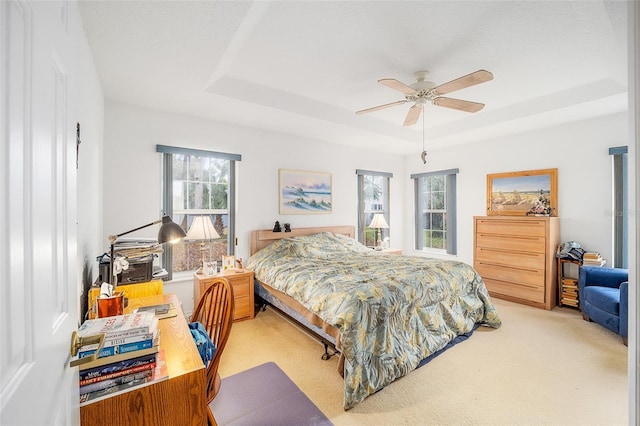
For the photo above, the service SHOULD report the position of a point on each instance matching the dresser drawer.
(510, 274)
(511, 290)
(527, 227)
(510, 242)
(506, 257)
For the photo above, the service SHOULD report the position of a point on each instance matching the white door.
(38, 283)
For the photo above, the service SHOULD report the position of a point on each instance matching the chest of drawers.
(515, 256)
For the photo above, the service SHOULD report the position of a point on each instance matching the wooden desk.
(179, 400)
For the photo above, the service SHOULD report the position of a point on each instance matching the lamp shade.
(202, 229)
(378, 221)
(170, 231)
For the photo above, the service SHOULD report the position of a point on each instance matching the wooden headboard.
(261, 238)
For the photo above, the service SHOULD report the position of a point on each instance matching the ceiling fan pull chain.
(423, 156)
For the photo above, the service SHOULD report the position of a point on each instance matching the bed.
(384, 313)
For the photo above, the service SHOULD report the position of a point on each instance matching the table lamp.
(169, 232)
(378, 222)
(202, 229)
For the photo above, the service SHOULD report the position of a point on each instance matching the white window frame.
(620, 207)
(450, 211)
(167, 195)
(364, 212)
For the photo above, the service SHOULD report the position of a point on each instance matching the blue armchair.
(604, 297)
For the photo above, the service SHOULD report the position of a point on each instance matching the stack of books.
(593, 258)
(130, 357)
(569, 295)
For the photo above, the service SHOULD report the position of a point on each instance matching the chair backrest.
(215, 311)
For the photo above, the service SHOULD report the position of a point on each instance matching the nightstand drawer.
(241, 286)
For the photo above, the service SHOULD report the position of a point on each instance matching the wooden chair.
(215, 311)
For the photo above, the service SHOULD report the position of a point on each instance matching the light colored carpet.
(540, 368)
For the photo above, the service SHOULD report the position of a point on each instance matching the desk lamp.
(169, 232)
(202, 229)
(378, 222)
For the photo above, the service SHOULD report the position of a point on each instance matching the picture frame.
(228, 262)
(304, 192)
(530, 192)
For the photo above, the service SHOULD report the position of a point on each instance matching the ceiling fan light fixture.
(423, 91)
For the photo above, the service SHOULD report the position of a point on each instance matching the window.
(620, 207)
(435, 214)
(373, 197)
(198, 183)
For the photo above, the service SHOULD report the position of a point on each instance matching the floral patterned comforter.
(392, 311)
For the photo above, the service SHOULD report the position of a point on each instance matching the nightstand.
(392, 251)
(242, 283)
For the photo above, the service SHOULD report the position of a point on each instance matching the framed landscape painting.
(523, 193)
(304, 192)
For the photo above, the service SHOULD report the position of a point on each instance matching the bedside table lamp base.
(378, 222)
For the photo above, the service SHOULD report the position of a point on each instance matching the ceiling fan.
(423, 91)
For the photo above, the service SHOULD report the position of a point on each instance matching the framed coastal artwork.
(531, 192)
(303, 192)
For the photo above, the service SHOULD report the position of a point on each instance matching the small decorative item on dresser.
(276, 227)
(540, 206)
(228, 262)
(287, 227)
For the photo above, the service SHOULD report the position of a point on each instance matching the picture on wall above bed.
(304, 192)
(523, 193)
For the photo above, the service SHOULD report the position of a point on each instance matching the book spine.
(127, 333)
(117, 366)
(116, 374)
(119, 341)
(107, 387)
(120, 349)
(120, 325)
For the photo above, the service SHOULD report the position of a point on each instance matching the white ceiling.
(305, 67)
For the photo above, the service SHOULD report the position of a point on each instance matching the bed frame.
(287, 306)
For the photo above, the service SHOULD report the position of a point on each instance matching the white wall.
(90, 110)
(580, 153)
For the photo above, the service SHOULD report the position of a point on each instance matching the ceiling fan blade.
(379, 107)
(413, 115)
(397, 85)
(472, 79)
(467, 106)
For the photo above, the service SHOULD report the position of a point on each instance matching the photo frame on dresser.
(302, 192)
(228, 262)
(530, 192)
